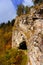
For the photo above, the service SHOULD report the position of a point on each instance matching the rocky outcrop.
(29, 28)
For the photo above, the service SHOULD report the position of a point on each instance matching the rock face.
(29, 28)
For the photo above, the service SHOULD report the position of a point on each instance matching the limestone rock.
(29, 28)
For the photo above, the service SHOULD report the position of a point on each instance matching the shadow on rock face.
(40, 11)
(23, 46)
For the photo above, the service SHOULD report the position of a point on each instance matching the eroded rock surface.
(29, 28)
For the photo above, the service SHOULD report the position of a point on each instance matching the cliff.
(28, 30)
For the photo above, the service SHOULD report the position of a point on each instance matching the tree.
(20, 10)
(27, 9)
(37, 1)
(12, 22)
(8, 23)
(2, 25)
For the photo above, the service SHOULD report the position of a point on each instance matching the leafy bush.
(13, 57)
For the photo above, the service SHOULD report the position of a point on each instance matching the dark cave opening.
(35, 18)
(23, 46)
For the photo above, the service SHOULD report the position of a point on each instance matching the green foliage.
(20, 10)
(13, 57)
(2, 25)
(12, 22)
(37, 1)
(27, 10)
(5, 36)
(8, 23)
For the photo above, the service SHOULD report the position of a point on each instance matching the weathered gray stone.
(31, 33)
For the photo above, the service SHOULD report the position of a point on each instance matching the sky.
(8, 8)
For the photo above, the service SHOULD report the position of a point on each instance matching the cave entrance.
(23, 45)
